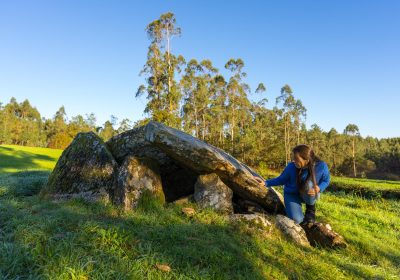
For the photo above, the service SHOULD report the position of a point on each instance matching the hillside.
(40, 239)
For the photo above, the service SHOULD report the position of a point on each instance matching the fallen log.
(319, 234)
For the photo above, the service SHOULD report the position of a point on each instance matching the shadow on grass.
(23, 183)
(39, 237)
(20, 159)
(48, 235)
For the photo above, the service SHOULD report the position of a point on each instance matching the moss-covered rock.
(138, 180)
(210, 191)
(292, 230)
(177, 180)
(85, 167)
(203, 158)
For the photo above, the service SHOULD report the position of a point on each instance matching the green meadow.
(20, 158)
(41, 239)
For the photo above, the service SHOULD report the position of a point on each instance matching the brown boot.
(309, 216)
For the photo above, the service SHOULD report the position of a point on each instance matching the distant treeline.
(195, 97)
(22, 124)
(260, 143)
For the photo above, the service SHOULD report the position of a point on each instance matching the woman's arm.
(325, 178)
(280, 180)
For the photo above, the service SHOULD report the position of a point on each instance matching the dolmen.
(162, 163)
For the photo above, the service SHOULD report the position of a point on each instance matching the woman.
(304, 179)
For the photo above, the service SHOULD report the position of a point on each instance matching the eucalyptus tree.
(353, 131)
(256, 134)
(189, 109)
(90, 119)
(57, 130)
(333, 147)
(218, 111)
(237, 101)
(160, 70)
(300, 113)
(293, 112)
(316, 138)
(197, 86)
(288, 101)
(107, 131)
(124, 125)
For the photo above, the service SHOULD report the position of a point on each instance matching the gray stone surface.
(257, 220)
(137, 177)
(85, 167)
(292, 230)
(177, 180)
(203, 158)
(210, 191)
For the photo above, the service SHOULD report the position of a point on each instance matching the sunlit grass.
(372, 184)
(17, 158)
(97, 241)
(41, 239)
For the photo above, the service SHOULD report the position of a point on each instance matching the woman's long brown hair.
(306, 153)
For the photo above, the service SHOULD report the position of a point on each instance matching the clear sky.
(341, 58)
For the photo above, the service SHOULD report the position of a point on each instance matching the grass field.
(367, 187)
(40, 239)
(19, 158)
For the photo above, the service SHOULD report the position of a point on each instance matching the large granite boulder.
(133, 142)
(210, 191)
(177, 180)
(85, 169)
(203, 158)
(137, 177)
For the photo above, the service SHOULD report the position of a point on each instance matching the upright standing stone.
(138, 177)
(210, 191)
(86, 168)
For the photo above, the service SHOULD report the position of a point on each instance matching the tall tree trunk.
(233, 128)
(354, 159)
(286, 140)
(195, 120)
(169, 63)
(204, 127)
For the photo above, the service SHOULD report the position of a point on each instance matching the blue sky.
(341, 58)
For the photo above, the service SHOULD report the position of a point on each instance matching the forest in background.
(194, 96)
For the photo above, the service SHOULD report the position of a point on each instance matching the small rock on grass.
(163, 267)
(184, 200)
(292, 230)
(189, 212)
(254, 220)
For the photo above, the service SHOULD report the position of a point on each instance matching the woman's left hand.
(260, 181)
(313, 191)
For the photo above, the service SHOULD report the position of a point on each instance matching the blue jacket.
(289, 174)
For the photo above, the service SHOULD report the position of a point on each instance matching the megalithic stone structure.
(204, 158)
